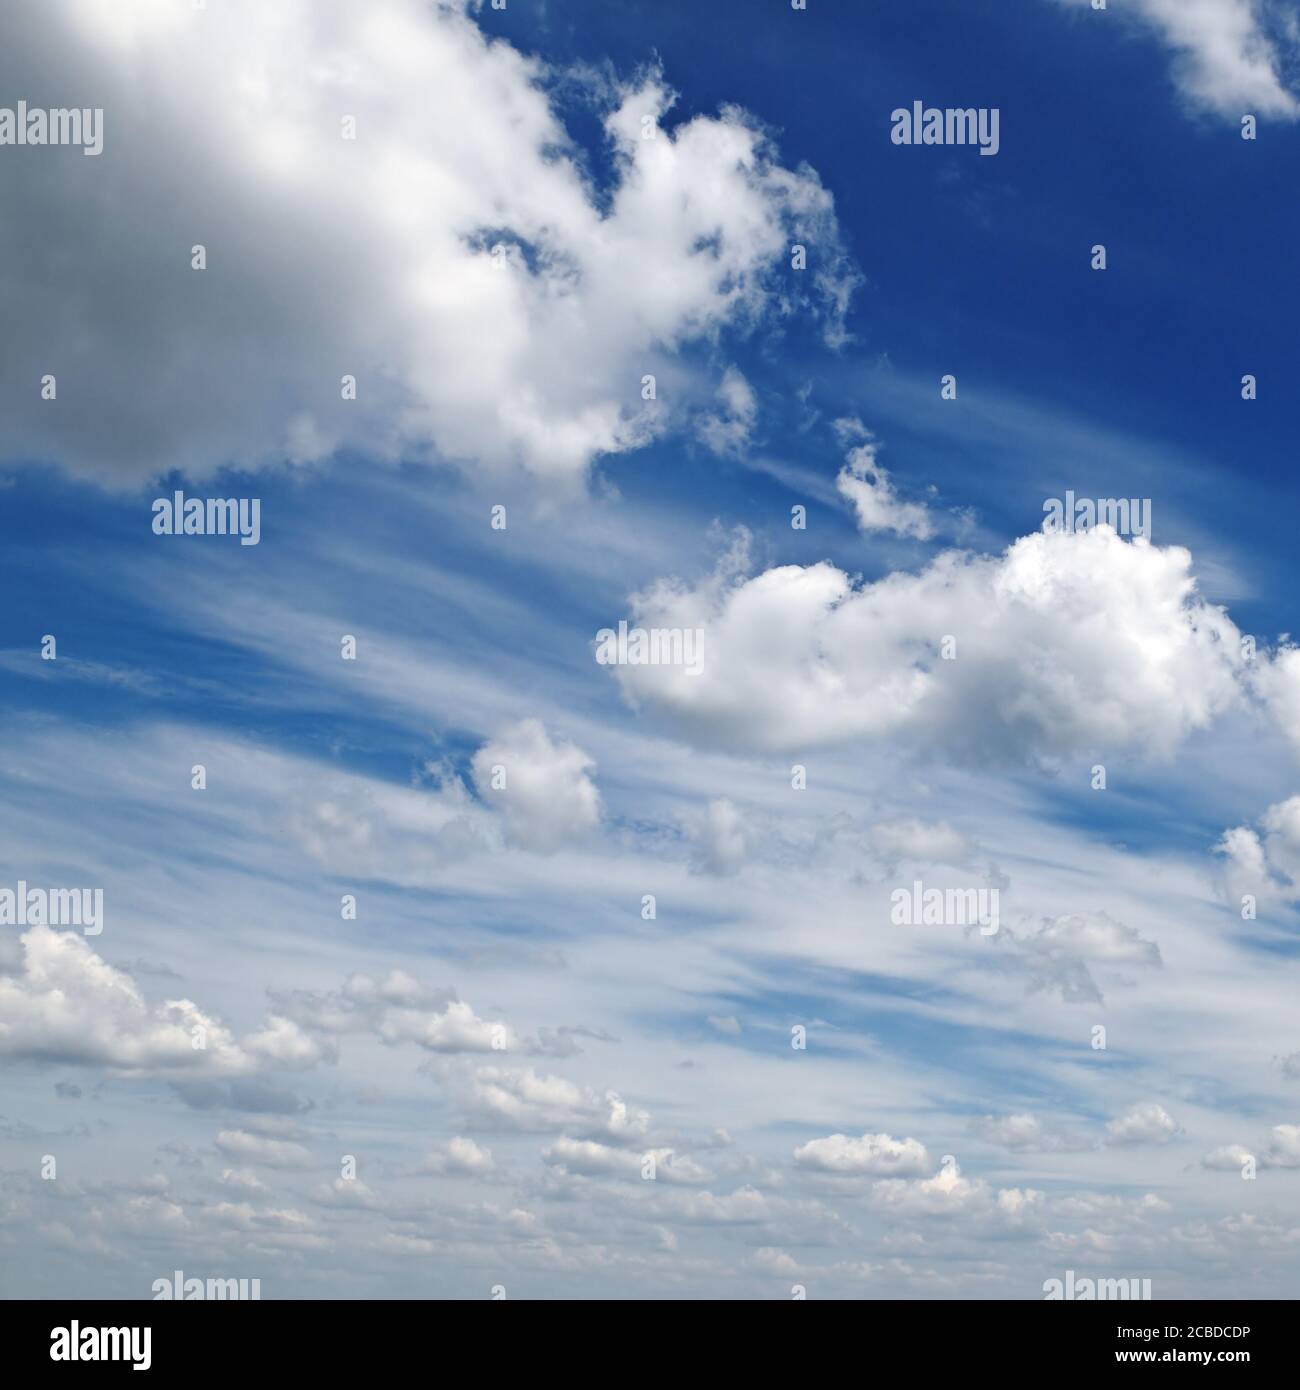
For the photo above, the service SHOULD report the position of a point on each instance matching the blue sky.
(502, 1038)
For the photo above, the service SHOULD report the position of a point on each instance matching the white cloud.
(1225, 59)
(928, 842)
(1278, 684)
(1065, 643)
(948, 1194)
(871, 1153)
(378, 830)
(876, 503)
(1229, 1157)
(1283, 1147)
(1107, 1209)
(241, 1180)
(588, 1158)
(1281, 824)
(1095, 936)
(374, 256)
(773, 1261)
(243, 1216)
(1265, 867)
(523, 1098)
(745, 1206)
(548, 799)
(723, 838)
(259, 1150)
(347, 1192)
(460, 1157)
(1060, 949)
(399, 1009)
(1147, 1123)
(1281, 1151)
(64, 1003)
(283, 1043)
(457, 1029)
(727, 431)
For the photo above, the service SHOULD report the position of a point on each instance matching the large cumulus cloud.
(493, 303)
(1065, 644)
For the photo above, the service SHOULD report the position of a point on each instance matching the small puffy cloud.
(1068, 642)
(1264, 866)
(876, 503)
(525, 1099)
(745, 1206)
(770, 1260)
(587, 1158)
(283, 1043)
(346, 1193)
(909, 839)
(722, 839)
(1283, 1147)
(1095, 936)
(949, 1194)
(1245, 867)
(146, 1215)
(60, 1001)
(459, 1157)
(1281, 1151)
(261, 1151)
(1281, 824)
(241, 1180)
(264, 1221)
(1148, 1123)
(396, 1008)
(1230, 1157)
(727, 432)
(1058, 953)
(456, 1029)
(876, 1154)
(1105, 1208)
(673, 1167)
(1018, 1205)
(543, 789)
(374, 830)
(725, 1023)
